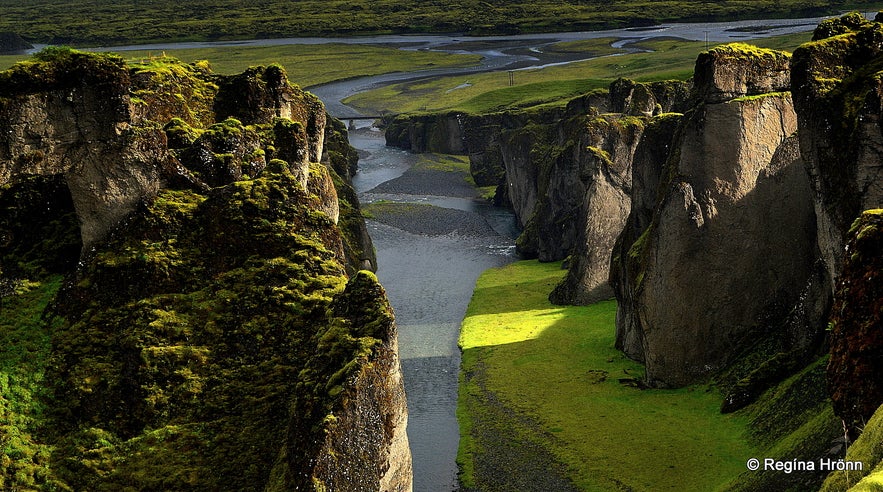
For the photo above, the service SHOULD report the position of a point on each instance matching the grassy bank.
(664, 59)
(548, 378)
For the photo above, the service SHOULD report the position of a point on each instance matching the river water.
(429, 278)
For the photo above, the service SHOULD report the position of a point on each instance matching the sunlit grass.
(558, 367)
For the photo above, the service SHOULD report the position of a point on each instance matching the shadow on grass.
(552, 407)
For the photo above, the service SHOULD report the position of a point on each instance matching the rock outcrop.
(212, 332)
(838, 96)
(730, 246)
(857, 325)
(566, 172)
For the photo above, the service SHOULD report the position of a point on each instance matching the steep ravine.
(433, 237)
(740, 218)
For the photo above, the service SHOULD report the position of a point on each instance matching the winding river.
(430, 277)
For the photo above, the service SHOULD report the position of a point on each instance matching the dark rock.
(687, 304)
(735, 70)
(207, 336)
(857, 326)
(12, 44)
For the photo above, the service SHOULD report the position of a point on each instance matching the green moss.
(868, 450)
(56, 68)
(793, 420)
(170, 88)
(748, 51)
(198, 322)
(758, 97)
(601, 154)
(25, 337)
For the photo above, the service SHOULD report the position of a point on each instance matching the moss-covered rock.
(207, 337)
(868, 451)
(793, 420)
(737, 69)
(837, 83)
(857, 325)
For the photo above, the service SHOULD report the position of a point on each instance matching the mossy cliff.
(857, 325)
(211, 332)
(697, 285)
(565, 171)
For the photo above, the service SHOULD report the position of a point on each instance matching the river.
(429, 274)
(430, 277)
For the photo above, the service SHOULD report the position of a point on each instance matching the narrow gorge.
(722, 211)
(191, 297)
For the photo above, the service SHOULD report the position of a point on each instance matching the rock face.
(838, 96)
(730, 244)
(857, 319)
(647, 172)
(566, 172)
(212, 332)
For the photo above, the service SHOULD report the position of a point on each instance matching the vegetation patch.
(565, 388)
(659, 59)
(166, 20)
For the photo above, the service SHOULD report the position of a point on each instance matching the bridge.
(350, 120)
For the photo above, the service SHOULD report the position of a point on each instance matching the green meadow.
(111, 22)
(548, 375)
(306, 65)
(662, 59)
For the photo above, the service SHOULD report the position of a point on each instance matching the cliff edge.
(181, 284)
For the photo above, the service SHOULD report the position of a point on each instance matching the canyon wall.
(730, 245)
(212, 330)
(743, 207)
(566, 172)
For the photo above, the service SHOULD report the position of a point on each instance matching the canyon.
(210, 313)
(719, 215)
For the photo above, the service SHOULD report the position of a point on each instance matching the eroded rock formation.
(212, 332)
(730, 245)
(839, 99)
